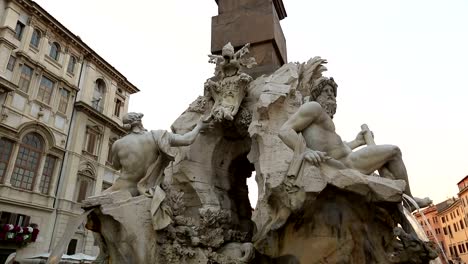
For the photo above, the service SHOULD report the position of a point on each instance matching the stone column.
(11, 164)
(255, 22)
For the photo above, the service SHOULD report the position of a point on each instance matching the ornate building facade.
(61, 106)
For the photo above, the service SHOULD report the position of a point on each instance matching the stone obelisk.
(251, 21)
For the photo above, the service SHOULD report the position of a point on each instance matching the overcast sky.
(401, 67)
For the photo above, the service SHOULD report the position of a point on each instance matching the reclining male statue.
(314, 121)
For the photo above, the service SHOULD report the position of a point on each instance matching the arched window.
(27, 161)
(54, 51)
(71, 65)
(36, 38)
(98, 95)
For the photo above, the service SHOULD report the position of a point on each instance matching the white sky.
(401, 67)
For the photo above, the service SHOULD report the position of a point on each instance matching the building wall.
(24, 112)
(455, 231)
(63, 131)
(433, 227)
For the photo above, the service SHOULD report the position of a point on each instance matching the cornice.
(89, 110)
(40, 13)
(7, 86)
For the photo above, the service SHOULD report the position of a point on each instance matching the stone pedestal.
(255, 22)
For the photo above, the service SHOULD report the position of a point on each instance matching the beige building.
(432, 225)
(454, 229)
(61, 106)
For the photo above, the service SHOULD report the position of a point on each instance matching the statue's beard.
(329, 106)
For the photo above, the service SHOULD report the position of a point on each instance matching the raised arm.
(115, 158)
(189, 137)
(300, 120)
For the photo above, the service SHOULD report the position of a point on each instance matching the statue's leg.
(372, 158)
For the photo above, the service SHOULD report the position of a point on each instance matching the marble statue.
(314, 121)
(319, 200)
(142, 155)
(229, 91)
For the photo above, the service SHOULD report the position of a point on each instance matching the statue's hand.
(204, 124)
(315, 157)
(360, 139)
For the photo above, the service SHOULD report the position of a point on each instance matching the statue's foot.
(421, 202)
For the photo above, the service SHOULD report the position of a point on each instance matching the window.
(460, 249)
(445, 231)
(71, 65)
(71, 249)
(46, 178)
(443, 219)
(118, 106)
(36, 38)
(54, 51)
(455, 227)
(27, 161)
(25, 78)
(461, 225)
(11, 63)
(83, 191)
(458, 213)
(97, 101)
(45, 90)
(91, 144)
(450, 230)
(92, 140)
(5, 151)
(19, 30)
(63, 103)
(14, 219)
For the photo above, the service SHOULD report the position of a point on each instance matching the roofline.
(462, 179)
(89, 52)
(450, 206)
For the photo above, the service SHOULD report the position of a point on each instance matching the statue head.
(132, 121)
(324, 92)
(231, 65)
(228, 51)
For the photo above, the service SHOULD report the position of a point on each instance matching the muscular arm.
(300, 120)
(353, 144)
(115, 158)
(187, 138)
